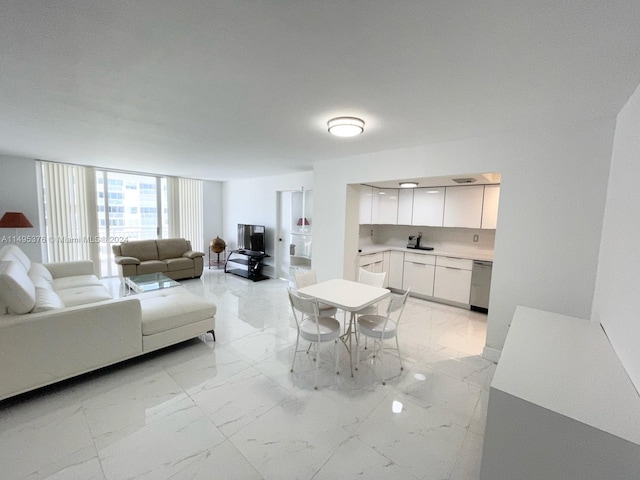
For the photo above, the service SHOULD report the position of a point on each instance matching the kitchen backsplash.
(443, 238)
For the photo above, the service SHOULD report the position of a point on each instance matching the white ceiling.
(231, 89)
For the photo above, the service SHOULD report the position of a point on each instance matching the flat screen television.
(251, 237)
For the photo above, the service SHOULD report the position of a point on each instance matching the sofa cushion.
(39, 270)
(142, 250)
(83, 295)
(75, 281)
(41, 282)
(152, 266)
(175, 264)
(172, 248)
(16, 288)
(171, 309)
(46, 300)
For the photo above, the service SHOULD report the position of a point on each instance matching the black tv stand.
(246, 263)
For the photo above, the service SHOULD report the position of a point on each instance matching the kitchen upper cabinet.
(418, 273)
(405, 207)
(387, 206)
(428, 206)
(375, 204)
(366, 192)
(490, 206)
(463, 206)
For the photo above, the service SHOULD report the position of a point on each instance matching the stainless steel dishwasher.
(480, 285)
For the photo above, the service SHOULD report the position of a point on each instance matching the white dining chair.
(314, 328)
(375, 279)
(383, 327)
(305, 279)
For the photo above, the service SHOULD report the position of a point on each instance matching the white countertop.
(486, 255)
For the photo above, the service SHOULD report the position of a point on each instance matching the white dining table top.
(345, 294)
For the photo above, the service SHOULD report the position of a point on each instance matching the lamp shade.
(14, 220)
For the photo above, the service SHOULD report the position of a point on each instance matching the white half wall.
(19, 194)
(617, 296)
(549, 225)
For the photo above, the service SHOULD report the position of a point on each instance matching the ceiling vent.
(464, 180)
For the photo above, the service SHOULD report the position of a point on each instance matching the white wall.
(212, 212)
(549, 225)
(19, 194)
(617, 297)
(254, 202)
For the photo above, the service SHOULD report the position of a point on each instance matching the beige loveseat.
(172, 257)
(58, 320)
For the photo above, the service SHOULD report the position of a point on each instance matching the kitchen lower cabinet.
(395, 269)
(373, 262)
(453, 279)
(419, 273)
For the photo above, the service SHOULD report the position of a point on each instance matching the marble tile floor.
(231, 409)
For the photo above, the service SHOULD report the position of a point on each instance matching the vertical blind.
(71, 224)
(186, 210)
(71, 218)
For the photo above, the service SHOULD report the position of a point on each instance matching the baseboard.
(491, 354)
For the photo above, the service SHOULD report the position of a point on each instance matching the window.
(129, 209)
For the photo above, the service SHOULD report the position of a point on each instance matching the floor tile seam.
(93, 441)
(459, 459)
(463, 380)
(437, 408)
(287, 398)
(405, 468)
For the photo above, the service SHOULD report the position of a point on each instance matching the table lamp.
(15, 220)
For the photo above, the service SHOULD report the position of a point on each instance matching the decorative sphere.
(217, 245)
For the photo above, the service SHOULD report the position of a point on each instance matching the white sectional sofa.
(59, 320)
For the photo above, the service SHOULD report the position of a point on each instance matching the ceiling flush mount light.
(345, 126)
(408, 184)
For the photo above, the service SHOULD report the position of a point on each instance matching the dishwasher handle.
(482, 263)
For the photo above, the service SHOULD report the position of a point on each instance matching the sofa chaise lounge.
(172, 257)
(58, 320)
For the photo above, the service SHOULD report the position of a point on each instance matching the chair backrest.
(396, 304)
(371, 278)
(305, 279)
(304, 305)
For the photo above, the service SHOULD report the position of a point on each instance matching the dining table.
(349, 296)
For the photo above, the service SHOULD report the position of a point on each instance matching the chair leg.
(295, 351)
(358, 350)
(337, 352)
(317, 363)
(399, 355)
(382, 362)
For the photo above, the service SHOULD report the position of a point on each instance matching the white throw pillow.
(16, 288)
(46, 300)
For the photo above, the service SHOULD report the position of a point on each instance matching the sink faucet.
(419, 238)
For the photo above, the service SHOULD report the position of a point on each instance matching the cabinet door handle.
(452, 268)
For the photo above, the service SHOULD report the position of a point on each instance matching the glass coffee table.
(149, 282)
